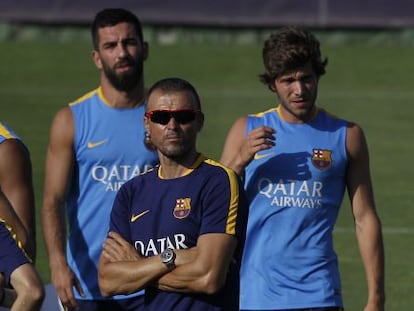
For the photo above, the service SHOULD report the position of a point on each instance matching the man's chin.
(126, 84)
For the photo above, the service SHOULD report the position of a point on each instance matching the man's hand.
(64, 279)
(239, 150)
(260, 138)
(116, 248)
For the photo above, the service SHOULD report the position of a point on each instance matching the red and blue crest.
(322, 159)
(182, 208)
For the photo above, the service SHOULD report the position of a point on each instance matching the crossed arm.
(201, 269)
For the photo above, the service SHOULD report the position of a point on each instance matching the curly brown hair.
(289, 49)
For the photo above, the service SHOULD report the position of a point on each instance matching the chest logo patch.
(92, 145)
(322, 159)
(182, 208)
(258, 156)
(135, 217)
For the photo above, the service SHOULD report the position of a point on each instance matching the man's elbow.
(211, 285)
(105, 286)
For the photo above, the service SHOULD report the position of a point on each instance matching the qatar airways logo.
(289, 193)
(154, 247)
(113, 177)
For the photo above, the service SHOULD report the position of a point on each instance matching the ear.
(146, 125)
(272, 86)
(200, 121)
(145, 50)
(97, 59)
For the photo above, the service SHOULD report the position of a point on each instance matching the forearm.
(199, 270)
(123, 270)
(372, 253)
(183, 279)
(236, 163)
(54, 232)
(125, 277)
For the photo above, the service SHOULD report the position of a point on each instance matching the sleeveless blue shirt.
(109, 151)
(295, 190)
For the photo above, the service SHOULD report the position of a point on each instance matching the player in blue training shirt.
(178, 230)
(297, 161)
(21, 288)
(96, 144)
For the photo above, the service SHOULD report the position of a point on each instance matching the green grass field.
(369, 84)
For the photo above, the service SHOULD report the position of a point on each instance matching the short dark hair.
(176, 85)
(290, 48)
(112, 17)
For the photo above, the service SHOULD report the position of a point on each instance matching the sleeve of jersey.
(119, 221)
(222, 204)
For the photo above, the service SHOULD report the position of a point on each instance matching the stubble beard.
(176, 151)
(301, 114)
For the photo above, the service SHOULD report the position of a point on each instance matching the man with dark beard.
(96, 144)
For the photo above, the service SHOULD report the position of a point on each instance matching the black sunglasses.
(182, 116)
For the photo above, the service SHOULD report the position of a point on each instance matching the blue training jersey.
(153, 213)
(295, 190)
(109, 150)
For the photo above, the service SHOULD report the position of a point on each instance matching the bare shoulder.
(235, 135)
(62, 126)
(15, 164)
(237, 130)
(13, 148)
(60, 156)
(240, 124)
(63, 115)
(356, 144)
(232, 145)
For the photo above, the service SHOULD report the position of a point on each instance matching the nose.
(299, 88)
(172, 123)
(122, 50)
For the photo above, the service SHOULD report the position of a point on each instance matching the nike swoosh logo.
(135, 217)
(262, 156)
(98, 143)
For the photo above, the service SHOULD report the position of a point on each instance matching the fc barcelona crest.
(182, 208)
(322, 159)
